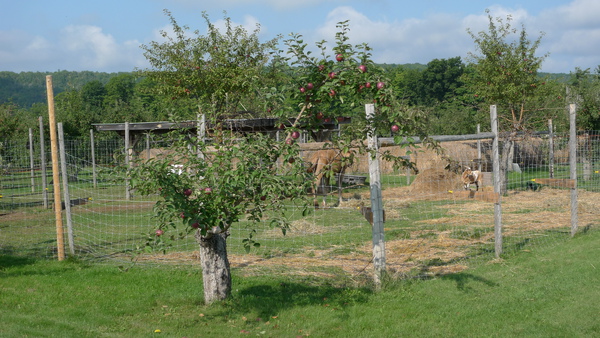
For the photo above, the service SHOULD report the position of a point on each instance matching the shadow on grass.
(463, 279)
(270, 298)
(9, 261)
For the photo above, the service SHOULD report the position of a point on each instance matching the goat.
(472, 177)
(323, 164)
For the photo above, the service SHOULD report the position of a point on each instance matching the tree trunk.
(216, 274)
(586, 157)
(506, 163)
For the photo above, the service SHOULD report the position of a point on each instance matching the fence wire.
(431, 225)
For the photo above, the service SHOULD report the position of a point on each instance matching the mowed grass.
(546, 292)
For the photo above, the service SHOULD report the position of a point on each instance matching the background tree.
(584, 89)
(505, 73)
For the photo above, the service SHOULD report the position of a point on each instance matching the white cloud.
(97, 50)
(408, 41)
(571, 34)
(76, 48)
(282, 5)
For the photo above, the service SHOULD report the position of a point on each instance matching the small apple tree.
(205, 187)
(231, 178)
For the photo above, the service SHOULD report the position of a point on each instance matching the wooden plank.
(556, 182)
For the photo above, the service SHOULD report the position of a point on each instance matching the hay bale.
(435, 181)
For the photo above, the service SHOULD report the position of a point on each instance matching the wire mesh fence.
(432, 225)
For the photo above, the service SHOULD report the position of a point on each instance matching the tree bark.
(216, 275)
(506, 163)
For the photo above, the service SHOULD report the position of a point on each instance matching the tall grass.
(549, 292)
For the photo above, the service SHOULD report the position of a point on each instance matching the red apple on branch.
(207, 190)
(159, 232)
(395, 128)
(339, 57)
(187, 192)
(295, 134)
(380, 85)
(310, 86)
(332, 75)
(362, 68)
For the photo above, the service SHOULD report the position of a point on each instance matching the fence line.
(430, 227)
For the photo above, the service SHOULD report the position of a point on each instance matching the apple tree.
(208, 184)
(334, 81)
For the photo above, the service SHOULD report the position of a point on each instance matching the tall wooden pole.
(551, 148)
(31, 161)
(60, 236)
(497, 183)
(573, 165)
(376, 202)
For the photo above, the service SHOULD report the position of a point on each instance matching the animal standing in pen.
(324, 164)
(472, 177)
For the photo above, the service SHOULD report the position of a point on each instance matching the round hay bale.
(435, 181)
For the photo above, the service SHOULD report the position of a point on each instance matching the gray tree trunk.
(216, 275)
(586, 157)
(506, 162)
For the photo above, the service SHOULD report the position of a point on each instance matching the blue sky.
(105, 36)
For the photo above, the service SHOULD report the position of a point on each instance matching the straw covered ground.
(436, 245)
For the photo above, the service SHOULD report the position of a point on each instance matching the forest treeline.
(86, 97)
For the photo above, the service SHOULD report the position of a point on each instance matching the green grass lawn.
(551, 291)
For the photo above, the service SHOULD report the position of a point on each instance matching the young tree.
(230, 178)
(234, 177)
(506, 74)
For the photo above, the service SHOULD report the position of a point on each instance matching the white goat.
(472, 177)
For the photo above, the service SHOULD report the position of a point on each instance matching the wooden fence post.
(93, 146)
(60, 236)
(65, 180)
(127, 182)
(497, 184)
(376, 202)
(573, 164)
(31, 160)
(43, 164)
(551, 148)
(479, 161)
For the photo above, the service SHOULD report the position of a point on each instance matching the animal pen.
(428, 224)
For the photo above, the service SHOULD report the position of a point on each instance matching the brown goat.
(472, 177)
